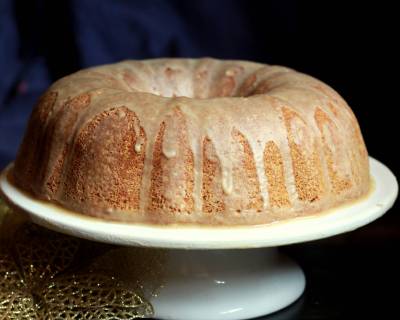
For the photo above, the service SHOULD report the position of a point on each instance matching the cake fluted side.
(193, 141)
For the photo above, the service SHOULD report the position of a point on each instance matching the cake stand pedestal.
(206, 284)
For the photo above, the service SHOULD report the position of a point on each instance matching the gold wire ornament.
(47, 275)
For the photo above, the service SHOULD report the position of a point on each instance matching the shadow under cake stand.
(206, 280)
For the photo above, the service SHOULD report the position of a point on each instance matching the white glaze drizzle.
(153, 110)
(227, 180)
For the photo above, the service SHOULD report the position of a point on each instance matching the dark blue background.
(349, 47)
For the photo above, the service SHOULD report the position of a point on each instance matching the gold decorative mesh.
(47, 275)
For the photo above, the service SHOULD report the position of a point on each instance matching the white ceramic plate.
(296, 230)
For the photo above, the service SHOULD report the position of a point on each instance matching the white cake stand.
(220, 284)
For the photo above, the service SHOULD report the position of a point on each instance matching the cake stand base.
(227, 284)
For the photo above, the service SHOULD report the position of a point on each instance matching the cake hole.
(228, 83)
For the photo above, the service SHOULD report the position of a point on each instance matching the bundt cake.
(201, 141)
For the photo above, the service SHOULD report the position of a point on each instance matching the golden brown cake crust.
(193, 141)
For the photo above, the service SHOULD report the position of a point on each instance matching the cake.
(200, 141)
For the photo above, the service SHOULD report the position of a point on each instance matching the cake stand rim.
(336, 221)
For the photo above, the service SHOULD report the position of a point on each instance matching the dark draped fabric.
(43, 40)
